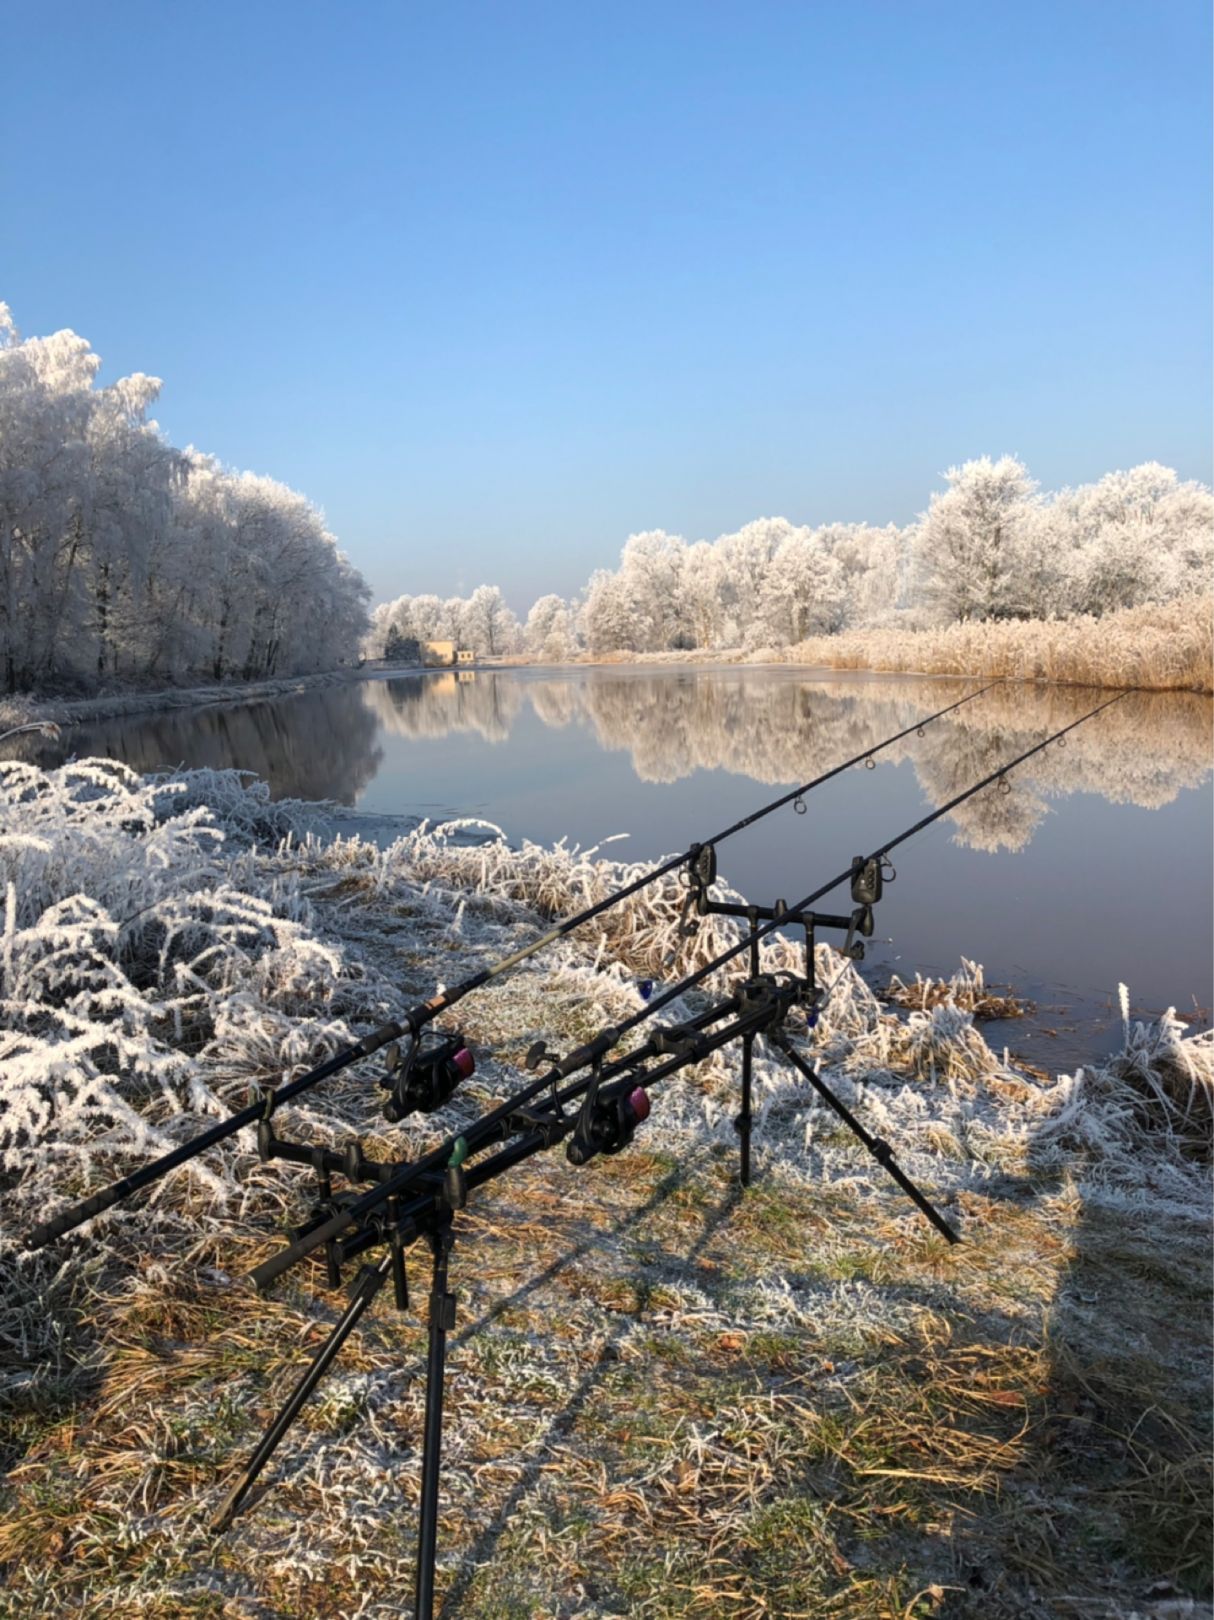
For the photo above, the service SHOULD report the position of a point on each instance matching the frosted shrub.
(1156, 1096)
(125, 949)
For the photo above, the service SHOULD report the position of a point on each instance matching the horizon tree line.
(989, 546)
(125, 559)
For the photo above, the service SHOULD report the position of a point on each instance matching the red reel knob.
(638, 1102)
(465, 1063)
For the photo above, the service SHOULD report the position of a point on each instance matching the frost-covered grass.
(1163, 647)
(666, 1398)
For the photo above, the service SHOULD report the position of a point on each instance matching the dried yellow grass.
(1163, 647)
(667, 1399)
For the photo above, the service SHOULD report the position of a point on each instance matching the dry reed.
(1163, 647)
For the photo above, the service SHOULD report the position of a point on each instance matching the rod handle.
(77, 1214)
(270, 1270)
(67, 1219)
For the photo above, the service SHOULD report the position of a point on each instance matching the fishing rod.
(417, 1018)
(414, 1201)
(422, 1198)
(759, 1006)
(867, 877)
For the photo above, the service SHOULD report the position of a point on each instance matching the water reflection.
(1142, 751)
(436, 705)
(1109, 893)
(767, 726)
(316, 745)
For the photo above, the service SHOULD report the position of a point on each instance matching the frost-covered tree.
(486, 624)
(609, 620)
(122, 557)
(651, 578)
(969, 540)
(429, 617)
(746, 556)
(874, 569)
(1130, 538)
(701, 588)
(804, 591)
(548, 632)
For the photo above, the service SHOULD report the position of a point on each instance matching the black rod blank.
(418, 1017)
(277, 1264)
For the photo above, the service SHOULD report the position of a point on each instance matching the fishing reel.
(606, 1124)
(426, 1078)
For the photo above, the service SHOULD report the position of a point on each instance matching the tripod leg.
(743, 1121)
(881, 1151)
(442, 1320)
(368, 1285)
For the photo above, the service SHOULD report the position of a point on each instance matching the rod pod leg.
(881, 1151)
(442, 1320)
(369, 1284)
(743, 1122)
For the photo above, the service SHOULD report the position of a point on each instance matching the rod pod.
(417, 1018)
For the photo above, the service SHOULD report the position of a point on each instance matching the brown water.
(1095, 868)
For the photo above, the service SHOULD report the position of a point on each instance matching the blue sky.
(497, 284)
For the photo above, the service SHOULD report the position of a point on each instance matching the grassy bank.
(666, 1399)
(1163, 648)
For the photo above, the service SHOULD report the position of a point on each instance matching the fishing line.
(420, 1016)
(482, 1132)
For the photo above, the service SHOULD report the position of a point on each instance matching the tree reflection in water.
(317, 745)
(778, 730)
(436, 705)
(768, 727)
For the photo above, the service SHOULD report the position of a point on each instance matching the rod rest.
(350, 1162)
(678, 1040)
(551, 1125)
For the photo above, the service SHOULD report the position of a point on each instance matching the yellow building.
(441, 654)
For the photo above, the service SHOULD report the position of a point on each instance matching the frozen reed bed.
(667, 1399)
(1167, 646)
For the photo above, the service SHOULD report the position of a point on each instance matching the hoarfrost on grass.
(167, 941)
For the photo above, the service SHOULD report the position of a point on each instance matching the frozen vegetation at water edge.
(644, 1359)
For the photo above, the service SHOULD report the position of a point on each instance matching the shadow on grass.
(567, 1420)
(1106, 1509)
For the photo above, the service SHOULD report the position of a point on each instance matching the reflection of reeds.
(1163, 647)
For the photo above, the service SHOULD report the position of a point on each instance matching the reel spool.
(427, 1078)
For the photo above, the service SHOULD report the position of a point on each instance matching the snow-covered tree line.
(123, 557)
(989, 546)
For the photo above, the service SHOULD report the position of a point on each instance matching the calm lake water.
(1095, 868)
